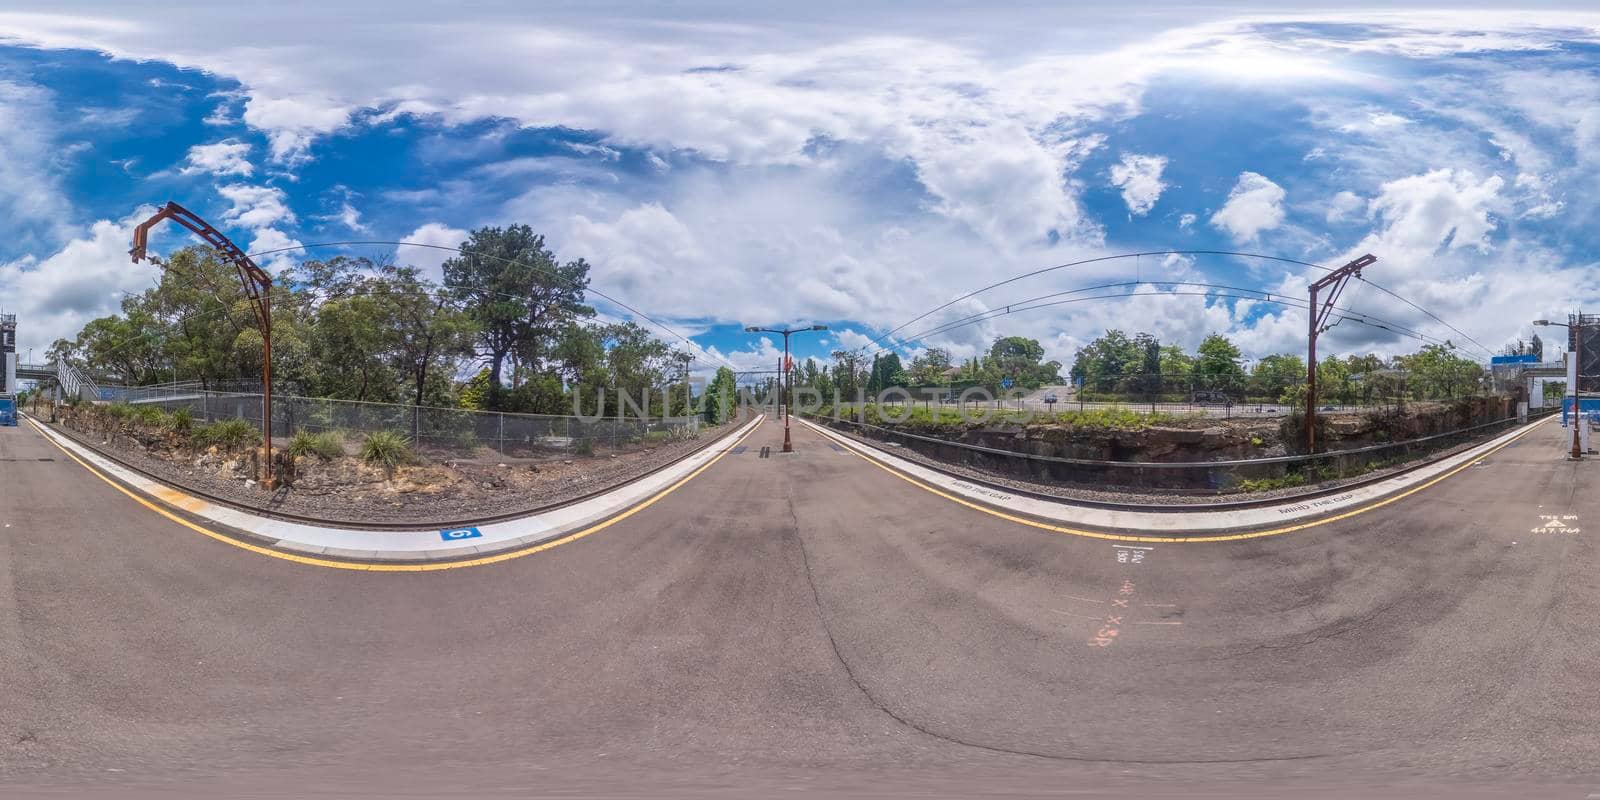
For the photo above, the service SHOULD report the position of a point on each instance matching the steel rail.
(1238, 462)
(304, 519)
(1181, 508)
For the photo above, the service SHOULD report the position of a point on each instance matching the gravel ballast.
(348, 492)
(1126, 496)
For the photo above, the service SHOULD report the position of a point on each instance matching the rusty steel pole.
(257, 289)
(1317, 322)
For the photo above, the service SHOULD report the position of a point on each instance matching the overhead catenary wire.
(1276, 300)
(1257, 294)
(1139, 255)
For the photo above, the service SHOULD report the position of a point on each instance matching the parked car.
(1051, 398)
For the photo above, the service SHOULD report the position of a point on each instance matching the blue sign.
(457, 534)
(1590, 405)
(1527, 359)
(1005, 383)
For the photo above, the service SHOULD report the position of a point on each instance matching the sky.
(850, 164)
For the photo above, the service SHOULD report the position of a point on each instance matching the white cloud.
(851, 340)
(1139, 177)
(31, 197)
(227, 157)
(605, 153)
(1376, 122)
(1343, 206)
(1254, 205)
(1186, 221)
(429, 259)
(1442, 208)
(347, 215)
(87, 278)
(1536, 198)
(282, 251)
(261, 209)
(255, 206)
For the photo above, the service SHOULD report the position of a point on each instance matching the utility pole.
(1318, 322)
(1575, 335)
(784, 366)
(257, 288)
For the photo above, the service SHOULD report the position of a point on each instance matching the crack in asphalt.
(907, 722)
(1353, 626)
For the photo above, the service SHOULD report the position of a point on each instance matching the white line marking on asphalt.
(1070, 614)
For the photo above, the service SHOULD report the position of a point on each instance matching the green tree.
(721, 397)
(425, 331)
(1274, 374)
(1144, 376)
(890, 372)
(350, 346)
(929, 367)
(849, 377)
(475, 395)
(1436, 373)
(1175, 365)
(518, 294)
(1216, 365)
(1104, 362)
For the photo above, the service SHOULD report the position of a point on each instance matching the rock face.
(1196, 441)
(1155, 443)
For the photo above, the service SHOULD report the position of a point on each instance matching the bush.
(181, 421)
(387, 448)
(229, 434)
(1268, 484)
(151, 416)
(326, 445)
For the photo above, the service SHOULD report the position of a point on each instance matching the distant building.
(8, 354)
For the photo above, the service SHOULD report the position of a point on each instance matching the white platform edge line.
(494, 536)
(1066, 511)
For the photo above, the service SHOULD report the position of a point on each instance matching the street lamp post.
(1577, 380)
(788, 381)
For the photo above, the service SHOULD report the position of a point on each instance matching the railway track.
(288, 516)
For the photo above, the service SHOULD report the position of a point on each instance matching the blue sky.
(724, 165)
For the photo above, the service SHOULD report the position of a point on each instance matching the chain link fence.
(457, 430)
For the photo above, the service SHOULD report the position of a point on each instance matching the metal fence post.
(501, 436)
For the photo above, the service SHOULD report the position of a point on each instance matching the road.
(809, 622)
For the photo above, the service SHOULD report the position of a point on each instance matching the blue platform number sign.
(457, 534)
